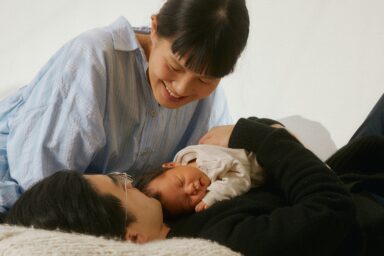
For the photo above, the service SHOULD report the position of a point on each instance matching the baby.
(200, 176)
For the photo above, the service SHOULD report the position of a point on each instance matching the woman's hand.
(218, 135)
(277, 126)
(282, 127)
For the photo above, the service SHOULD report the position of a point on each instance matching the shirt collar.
(123, 35)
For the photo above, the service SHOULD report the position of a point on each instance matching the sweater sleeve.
(315, 214)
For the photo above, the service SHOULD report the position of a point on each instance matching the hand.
(218, 135)
(282, 127)
(277, 126)
(201, 206)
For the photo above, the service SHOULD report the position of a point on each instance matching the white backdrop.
(320, 60)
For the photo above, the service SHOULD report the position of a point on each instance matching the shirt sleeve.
(9, 193)
(220, 114)
(60, 125)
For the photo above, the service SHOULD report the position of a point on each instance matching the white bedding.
(19, 241)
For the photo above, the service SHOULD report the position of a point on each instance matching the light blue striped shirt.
(91, 109)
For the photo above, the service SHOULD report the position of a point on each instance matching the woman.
(112, 96)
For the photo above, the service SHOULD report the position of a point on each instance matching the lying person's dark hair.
(48, 205)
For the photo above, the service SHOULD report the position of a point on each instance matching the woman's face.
(147, 211)
(174, 85)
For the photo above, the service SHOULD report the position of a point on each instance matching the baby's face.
(180, 189)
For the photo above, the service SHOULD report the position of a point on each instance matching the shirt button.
(153, 113)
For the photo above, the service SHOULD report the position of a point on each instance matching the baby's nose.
(196, 185)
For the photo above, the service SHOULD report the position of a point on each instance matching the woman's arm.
(60, 125)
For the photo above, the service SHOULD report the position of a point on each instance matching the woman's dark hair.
(210, 33)
(67, 201)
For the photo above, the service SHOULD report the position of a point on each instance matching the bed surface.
(29, 241)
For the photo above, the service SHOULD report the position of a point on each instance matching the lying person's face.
(147, 211)
(180, 189)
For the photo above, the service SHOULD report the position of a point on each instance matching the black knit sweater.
(303, 209)
(360, 165)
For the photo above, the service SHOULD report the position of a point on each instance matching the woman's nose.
(183, 86)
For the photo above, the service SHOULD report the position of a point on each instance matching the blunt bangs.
(209, 34)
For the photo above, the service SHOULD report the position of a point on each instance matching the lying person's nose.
(128, 185)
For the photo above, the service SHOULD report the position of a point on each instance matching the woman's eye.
(173, 69)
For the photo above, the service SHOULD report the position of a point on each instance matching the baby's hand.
(201, 206)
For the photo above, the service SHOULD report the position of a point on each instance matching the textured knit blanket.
(29, 241)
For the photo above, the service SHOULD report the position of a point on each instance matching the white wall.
(320, 59)
(32, 30)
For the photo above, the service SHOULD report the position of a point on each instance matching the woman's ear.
(154, 36)
(170, 165)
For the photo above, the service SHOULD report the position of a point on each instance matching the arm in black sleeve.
(311, 216)
(266, 121)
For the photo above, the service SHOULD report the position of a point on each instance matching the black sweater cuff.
(246, 132)
(250, 133)
(265, 121)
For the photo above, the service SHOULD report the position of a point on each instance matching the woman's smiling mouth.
(171, 95)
